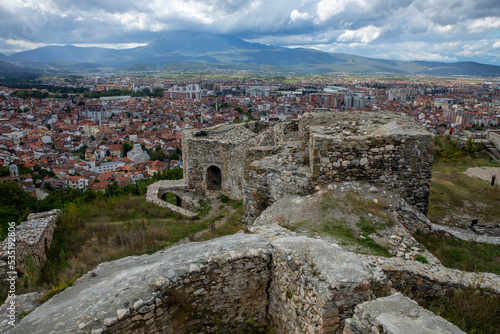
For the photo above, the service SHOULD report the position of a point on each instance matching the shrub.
(422, 259)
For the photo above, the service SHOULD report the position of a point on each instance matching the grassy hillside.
(455, 198)
(111, 228)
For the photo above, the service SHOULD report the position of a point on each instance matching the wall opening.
(172, 199)
(214, 178)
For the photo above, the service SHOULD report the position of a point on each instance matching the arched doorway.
(214, 178)
(172, 199)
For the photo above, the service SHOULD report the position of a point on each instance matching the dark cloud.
(356, 26)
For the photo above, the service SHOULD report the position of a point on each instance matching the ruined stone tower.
(261, 163)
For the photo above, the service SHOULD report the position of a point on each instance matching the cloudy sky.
(442, 30)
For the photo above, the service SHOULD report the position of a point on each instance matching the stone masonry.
(32, 239)
(382, 150)
(396, 314)
(177, 187)
(310, 291)
(231, 284)
(494, 137)
(275, 279)
(260, 164)
(239, 284)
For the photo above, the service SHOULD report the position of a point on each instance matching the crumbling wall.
(32, 239)
(210, 287)
(178, 188)
(423, 282)
(401, 161)
(261, 164)
(219, 147)
(223, 294)
(396, 314)
(256, 194)
(272, 173)
(494, 137)
(198, 155)
(235, 284)
(315, 285)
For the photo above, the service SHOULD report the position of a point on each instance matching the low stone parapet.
(466, 235)
(421, 281)
(316, 285)
(273, 279)
(162, 204)
(31, 240)
(214, 286)
(396, 314)
(176, 187)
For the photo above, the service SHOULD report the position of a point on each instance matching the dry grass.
(472, 310)
(89, 234)
(454, 194)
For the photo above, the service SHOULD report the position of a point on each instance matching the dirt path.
(484, 173)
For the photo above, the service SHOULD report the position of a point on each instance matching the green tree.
(174, 156)
(157, 154)
(14, 205)
(126, 148)
(469, 146)
(169, 174)
(113, 189)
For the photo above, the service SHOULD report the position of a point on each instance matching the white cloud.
(475, 48)
(363, 35)
(483, 24)
(296, 15)
(112, 45)
(20, 45)
(370, 28)
(133, 20)
(23, 45)
(329, 8)
(447, 29)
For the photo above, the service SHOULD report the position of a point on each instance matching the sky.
(433, 30)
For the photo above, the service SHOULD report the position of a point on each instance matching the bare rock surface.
(113, 286)
(483, 173)
(396, 314)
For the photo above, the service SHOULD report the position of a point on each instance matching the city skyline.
(401, 30)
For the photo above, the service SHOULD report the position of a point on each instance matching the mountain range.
(190, 50)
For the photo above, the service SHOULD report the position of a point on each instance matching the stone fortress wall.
(494, 137)
(260, 164)
(32, 239)
(273, 277)
(245, 282)
(220, 149)
(381, 150)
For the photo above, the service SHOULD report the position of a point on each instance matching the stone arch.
(214, 178)
(172, 198)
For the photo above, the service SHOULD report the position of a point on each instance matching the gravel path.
(484, 173)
